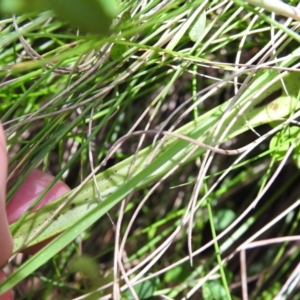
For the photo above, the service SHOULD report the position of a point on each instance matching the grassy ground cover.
(178, 134)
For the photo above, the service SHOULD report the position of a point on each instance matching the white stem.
(278, 7)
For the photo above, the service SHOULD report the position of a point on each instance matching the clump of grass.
(155, 215)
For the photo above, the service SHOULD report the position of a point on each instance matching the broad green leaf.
(198, 27)
(178, 273)
(92, 16)
(21, 6)
(214, 290)
(117, 51)
(184, 29)
(126, 16)
(223, 218)
(281, 142)
(144, 290)
(85, 265)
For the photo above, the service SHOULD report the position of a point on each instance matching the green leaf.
(21, 6)
(92, 16)
(173, 274)
(281, 142)
(117, 51)
(198, 27)
(86, 265)
(126, 16)
(214, 290)
(145, 289)
(223, 217)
